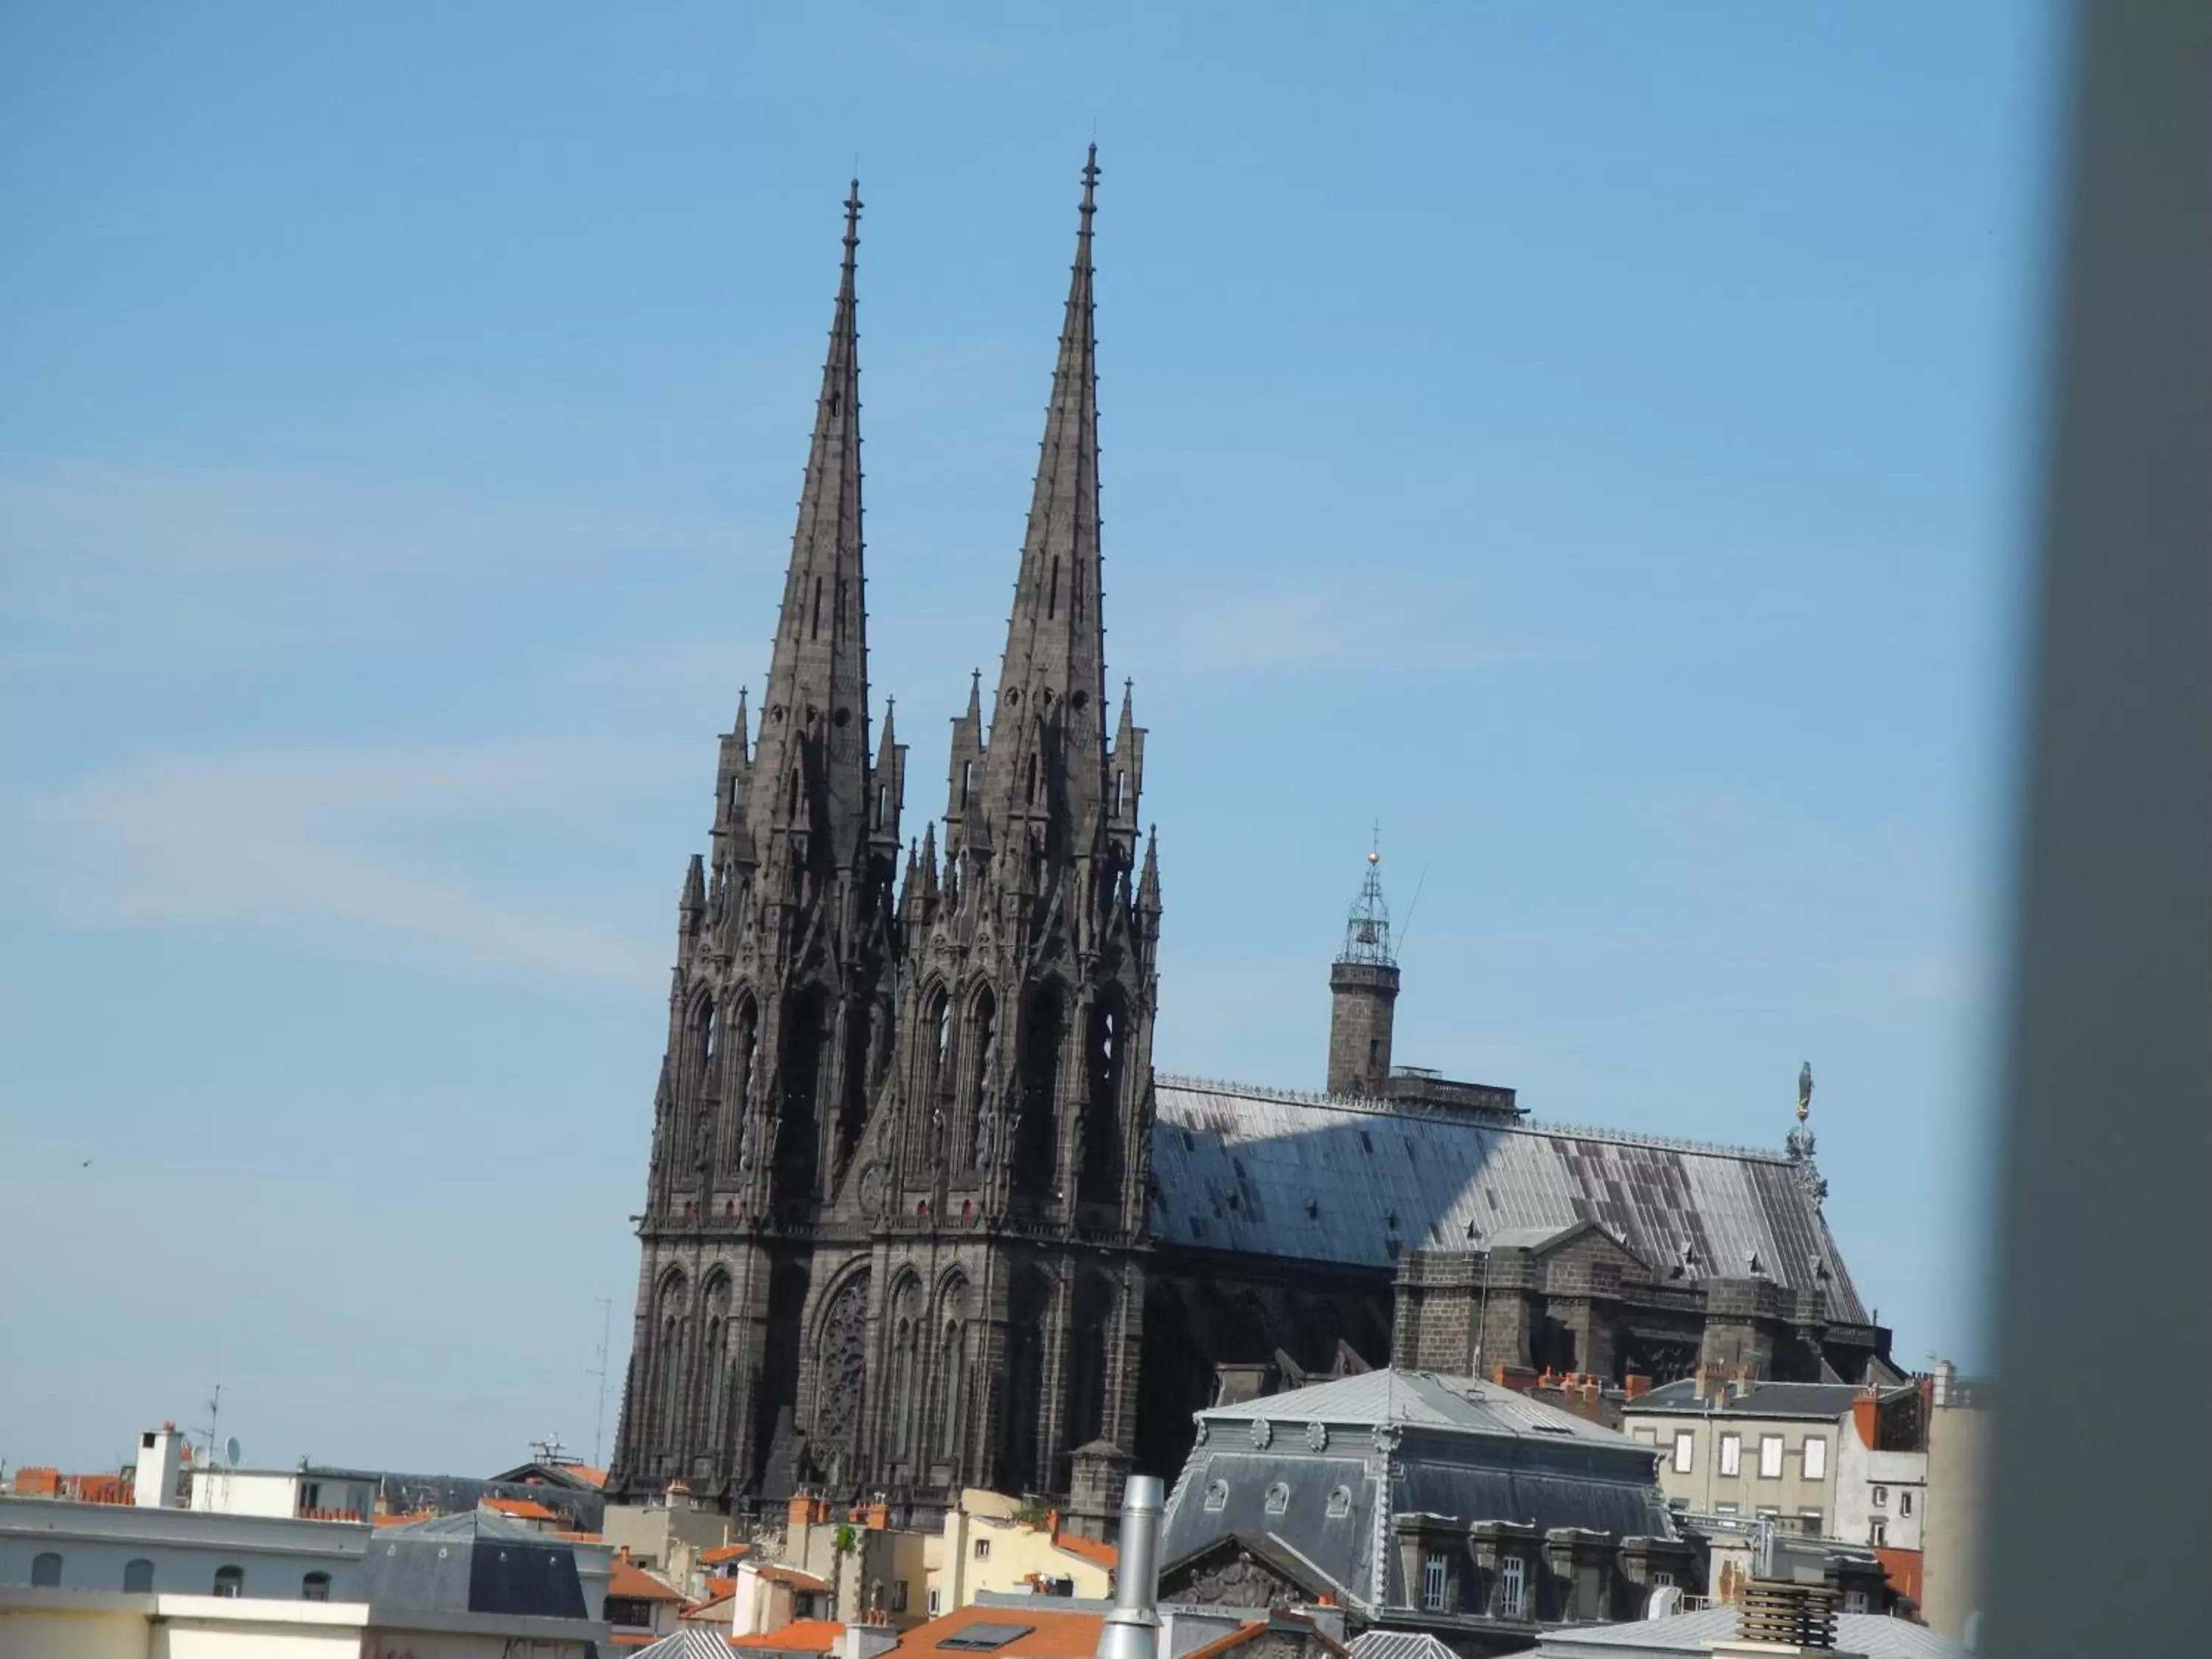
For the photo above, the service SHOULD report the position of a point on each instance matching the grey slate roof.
(1874, 1635)
(1313, 1476)
(1825, 1401)
(1323, 1178)
(692, 1642)
(473, 1563)
(1399, 1644)
(1427, 1398)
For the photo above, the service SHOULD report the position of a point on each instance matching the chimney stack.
(161, 1458)
(1132, 1630)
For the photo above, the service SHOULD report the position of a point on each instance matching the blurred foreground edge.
(2097, 1530)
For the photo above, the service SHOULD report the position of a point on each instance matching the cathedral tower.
(895, 1228)
(779, 1013)
(1363, 983)
(1029, 989)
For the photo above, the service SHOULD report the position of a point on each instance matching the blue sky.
(1593, 440)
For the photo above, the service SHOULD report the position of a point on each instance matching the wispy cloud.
(112, 560)
(283, 840)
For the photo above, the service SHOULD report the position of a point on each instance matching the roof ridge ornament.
(1798, 1144)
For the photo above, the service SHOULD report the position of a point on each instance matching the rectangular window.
(1436, 1581)
(982, 1548)
(1809, 1521)
(1512, 1584)
(898, 1596)
(1731, 1454)
(1661, 1580)
(1877, 1532)
(1724, 1509)
(1816, 1457)
(1855, 1601)
(1770, 1458)
(1905, 1503)
(936, 1602)
(1882, 1497)
(1686, 1445)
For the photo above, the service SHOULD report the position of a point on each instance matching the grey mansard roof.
(1315, 1476)
(1424, 1399)
(1328, 1179)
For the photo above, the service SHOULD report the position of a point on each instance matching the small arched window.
(45, 1569)
(1217, 1495)
(1279, 1498)
(138, 1576)
(315, 1587)
(1340, 1502)
(230, 1582)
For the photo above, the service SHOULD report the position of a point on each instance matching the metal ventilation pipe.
(1132, 1630)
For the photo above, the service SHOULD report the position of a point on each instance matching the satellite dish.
(230, 1451)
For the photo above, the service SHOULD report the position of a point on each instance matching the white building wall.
(1900, 1478)
(97, 1542)
(51, 1633)
(246, 1491)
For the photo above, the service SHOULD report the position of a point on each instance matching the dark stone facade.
(914, 1208)
(894, 1229)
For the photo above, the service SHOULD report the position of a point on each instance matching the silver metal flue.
(1132, 1630)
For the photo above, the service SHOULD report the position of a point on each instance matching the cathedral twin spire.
(811, 772)
(1040, 775)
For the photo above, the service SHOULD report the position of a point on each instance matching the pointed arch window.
(807, 1037)
(983, 1060)
(967, 783)
(906, 1335)
(948, 1377)
(1099, 1179)
(746, 1039)
(1036, 1131)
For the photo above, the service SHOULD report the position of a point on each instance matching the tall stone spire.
(810, 772)
(1047, 748)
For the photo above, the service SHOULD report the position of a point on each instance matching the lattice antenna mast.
(1367, 928)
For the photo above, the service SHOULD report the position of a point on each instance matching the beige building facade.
(1748, 1452)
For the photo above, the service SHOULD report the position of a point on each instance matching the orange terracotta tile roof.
(1054, 1633)
(1089, 1549)
(402, 1520)
(723, 1553)
(522, 1509)
(586, 1474)
(799, 1635)
(630, 1580)
(776, 1573)
(581, 1537)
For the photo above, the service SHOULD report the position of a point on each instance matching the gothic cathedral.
(894, 1234)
